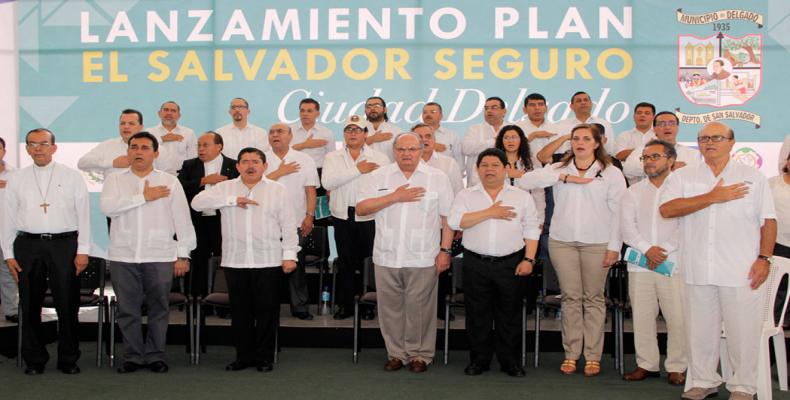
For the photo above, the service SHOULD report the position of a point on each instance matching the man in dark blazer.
(209, 168)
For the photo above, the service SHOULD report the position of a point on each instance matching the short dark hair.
(433, 103)
(600, 128)
(133, 111)
(645, 104)
(669, 148)
(2, 142)
(492, 152)
(655, 119)
(383, 105)
(145, 135)
(783, 169)
(170, 101)
(578, 93)
(251, 150)
(312, 101)
(421, 125)
(720, 62)
(51, 135)
(217, 137)
(534, 96)
(495, 98)
(246, 104)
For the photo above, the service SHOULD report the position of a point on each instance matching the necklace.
(44, 195)
(582, 169)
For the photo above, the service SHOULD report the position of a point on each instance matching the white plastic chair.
(772, 330)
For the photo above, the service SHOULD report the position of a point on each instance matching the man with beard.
(380, 130)
(240, 133)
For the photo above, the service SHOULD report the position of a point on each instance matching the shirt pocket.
(429, 203)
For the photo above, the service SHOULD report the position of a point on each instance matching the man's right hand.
(405, 194)
(212, 179)
(539, 135)
(152, 193)
(498, 211)
(723, 194)
(3, 184)
(121, 162)
(14, 268)
(287, 169)
(365, 166)
(655, 256)
(381, 136)
(243, 202)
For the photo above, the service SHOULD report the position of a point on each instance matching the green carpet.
(325, 374)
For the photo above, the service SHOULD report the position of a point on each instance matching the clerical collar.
(47, 167)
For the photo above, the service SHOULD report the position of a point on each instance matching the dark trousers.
(209, 244)
(493, 295)
(354, 243)
(255, 310)
(781, 251)
(54, 260)
(297, 282)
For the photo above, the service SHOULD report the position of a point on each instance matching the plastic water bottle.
(326, 296)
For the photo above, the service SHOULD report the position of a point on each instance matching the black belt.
(468, 252)
(47, 236)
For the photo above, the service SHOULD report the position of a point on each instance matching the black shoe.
(303, 315)
(514, 371)
(158, 367)
(475, 369)
(236, 366)
(441, 316)
(343, 313)
(129, 366)
(367, 314)
(265, 367)
(12, 318)
(34, 370)
(72, 369)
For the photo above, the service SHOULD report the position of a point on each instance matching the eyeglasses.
(652, 157)
(239, 107)
(714, 139)
(35, 145)
(666, 123)
(353, 129)
(402, 150)
(492, 108)
(377, 105)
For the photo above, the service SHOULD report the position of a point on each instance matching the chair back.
(315, 244)
(216, 282)
(93, 276)
(457, 275)
(368, 276)
(779, 270)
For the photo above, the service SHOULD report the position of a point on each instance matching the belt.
(47, 236)
(483, 257)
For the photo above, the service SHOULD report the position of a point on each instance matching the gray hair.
(412, 134)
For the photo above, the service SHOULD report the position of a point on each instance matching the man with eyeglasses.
(483, 136)
(380, 130)
(343, 171)
(447, 141)
(665, 127)
(240, 133)
(655, 237)
(178, 143)
(46, 240)
(410, 201)
(110, 155)
(727, 236)
(581, 105)
(640, 134)
(295, 170)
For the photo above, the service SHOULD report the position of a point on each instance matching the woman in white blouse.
(780, 187)
(583, 240)
(520, 160)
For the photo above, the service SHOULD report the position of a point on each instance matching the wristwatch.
(446, 250)
(529, 260)
(770, 259)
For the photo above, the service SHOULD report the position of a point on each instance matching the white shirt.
(565, 127)
(173, 154)
(259, 236)
(537, 144)
(783, 152)
(642, 225)
(781, 193)
(318, 132)
(100, 158)
(476, 139)
(408, 235)
(538, 194)
(719, 243)
(633, 139)
(450, 139)
(496, 237)
(142, 231)
(340, 177)
(633, 168)
(384, 147)
(586, 213)
(296, 182)
(68, 210)
(235, 139)
(4, 176)
(450, 168)
(212, 167)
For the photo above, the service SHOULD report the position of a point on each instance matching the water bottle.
(326, 296)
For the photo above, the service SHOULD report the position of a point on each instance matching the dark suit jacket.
(192, 172)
